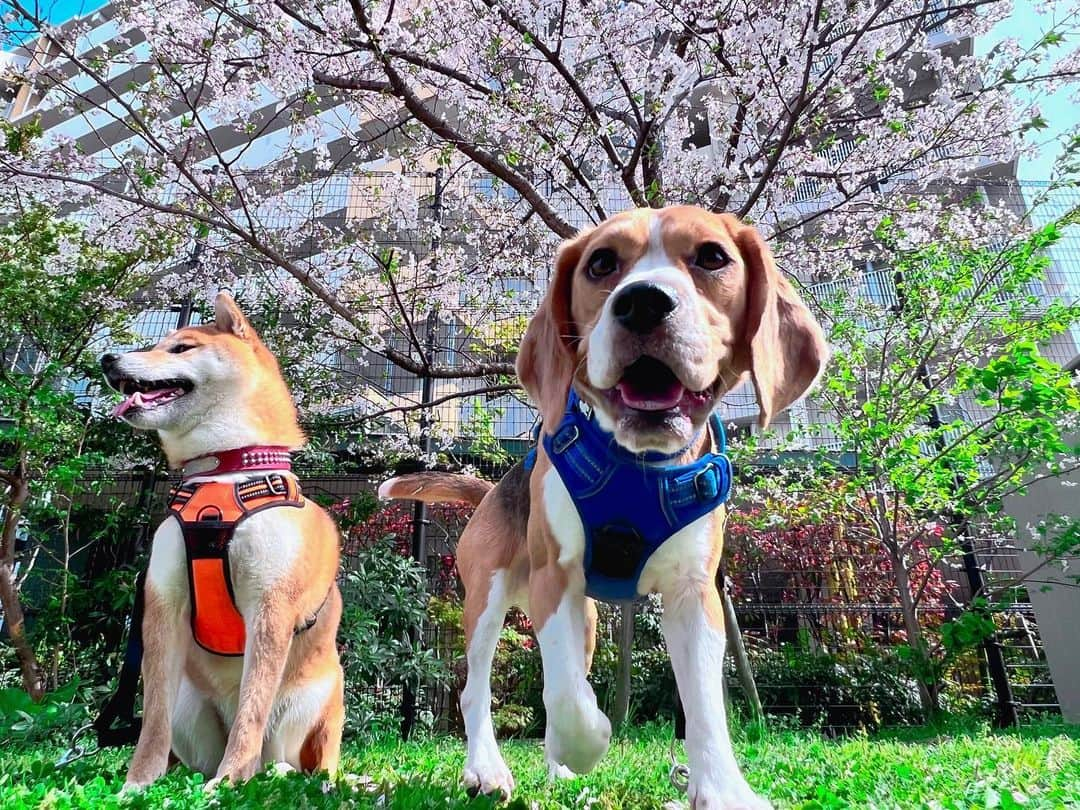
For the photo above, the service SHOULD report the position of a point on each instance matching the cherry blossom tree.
(298, 140)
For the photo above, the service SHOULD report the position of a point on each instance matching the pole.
(995, 660)
(147, 479)
(427, 391)
(621, 708)
(183, 316)
(738, 653)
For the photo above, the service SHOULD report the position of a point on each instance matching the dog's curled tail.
(436, 487)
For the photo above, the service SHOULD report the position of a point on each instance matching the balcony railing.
(878, 286)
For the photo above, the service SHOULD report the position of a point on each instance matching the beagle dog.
(649, 319)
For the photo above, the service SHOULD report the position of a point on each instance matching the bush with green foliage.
(382, 650)
(63, 289)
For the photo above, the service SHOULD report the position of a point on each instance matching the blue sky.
(57, 11)
(1028, 26)
(1025, 23)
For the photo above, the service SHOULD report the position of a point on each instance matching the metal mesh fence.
(791, 630)
(820, 656)
(413, 215)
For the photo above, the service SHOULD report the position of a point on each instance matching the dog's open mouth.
(648, 384)
(149, 394)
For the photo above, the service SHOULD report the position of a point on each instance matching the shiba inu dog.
(240, 665)
(649, 319)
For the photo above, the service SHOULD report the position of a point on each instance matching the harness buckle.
(276, 484)
(706, 487)
(564, 438)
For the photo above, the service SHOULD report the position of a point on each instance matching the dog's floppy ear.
(545, 361)
(229, 318)
(786, 345)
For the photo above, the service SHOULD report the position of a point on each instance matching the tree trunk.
(621, 708)
(14, 620)
(928, 692)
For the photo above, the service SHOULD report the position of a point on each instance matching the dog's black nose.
(642, 306)
(108, 361)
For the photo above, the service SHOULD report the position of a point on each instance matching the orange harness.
(208, 513)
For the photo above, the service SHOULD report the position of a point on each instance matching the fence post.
(738, 654)
(995, 660)
(621, 708)
(147, 481)
(420, 519)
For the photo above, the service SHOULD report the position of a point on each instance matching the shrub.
(51, 719)
(382, 649)
(857, 690)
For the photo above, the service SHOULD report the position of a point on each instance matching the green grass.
(1037, 767)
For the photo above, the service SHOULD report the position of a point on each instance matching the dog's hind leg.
(321, 750)
(591, 618)
(485, 609)
(305, 730)
(198, 732)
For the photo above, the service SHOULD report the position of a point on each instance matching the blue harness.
(629, 503)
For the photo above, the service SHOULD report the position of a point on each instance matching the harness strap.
(208, 513)
(116, 724)
(630, 504)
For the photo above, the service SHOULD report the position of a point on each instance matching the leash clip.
(76, 751)
(679, 774)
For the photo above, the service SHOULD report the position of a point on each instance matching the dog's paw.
(133, 788)
(577, 737)
(489, 776)
(558, 771)
(279, 768)
(139, 779)
(233, 774)
(734, 797)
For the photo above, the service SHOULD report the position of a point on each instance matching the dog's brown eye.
(711, 256)
(602, 263)
(180, 348)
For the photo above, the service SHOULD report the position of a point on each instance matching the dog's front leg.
(578, 733)
(269, 635)
(694, 631)
(166, 639)
(164, 648)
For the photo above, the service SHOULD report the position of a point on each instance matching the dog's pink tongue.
(651, 400)
(135, 400)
